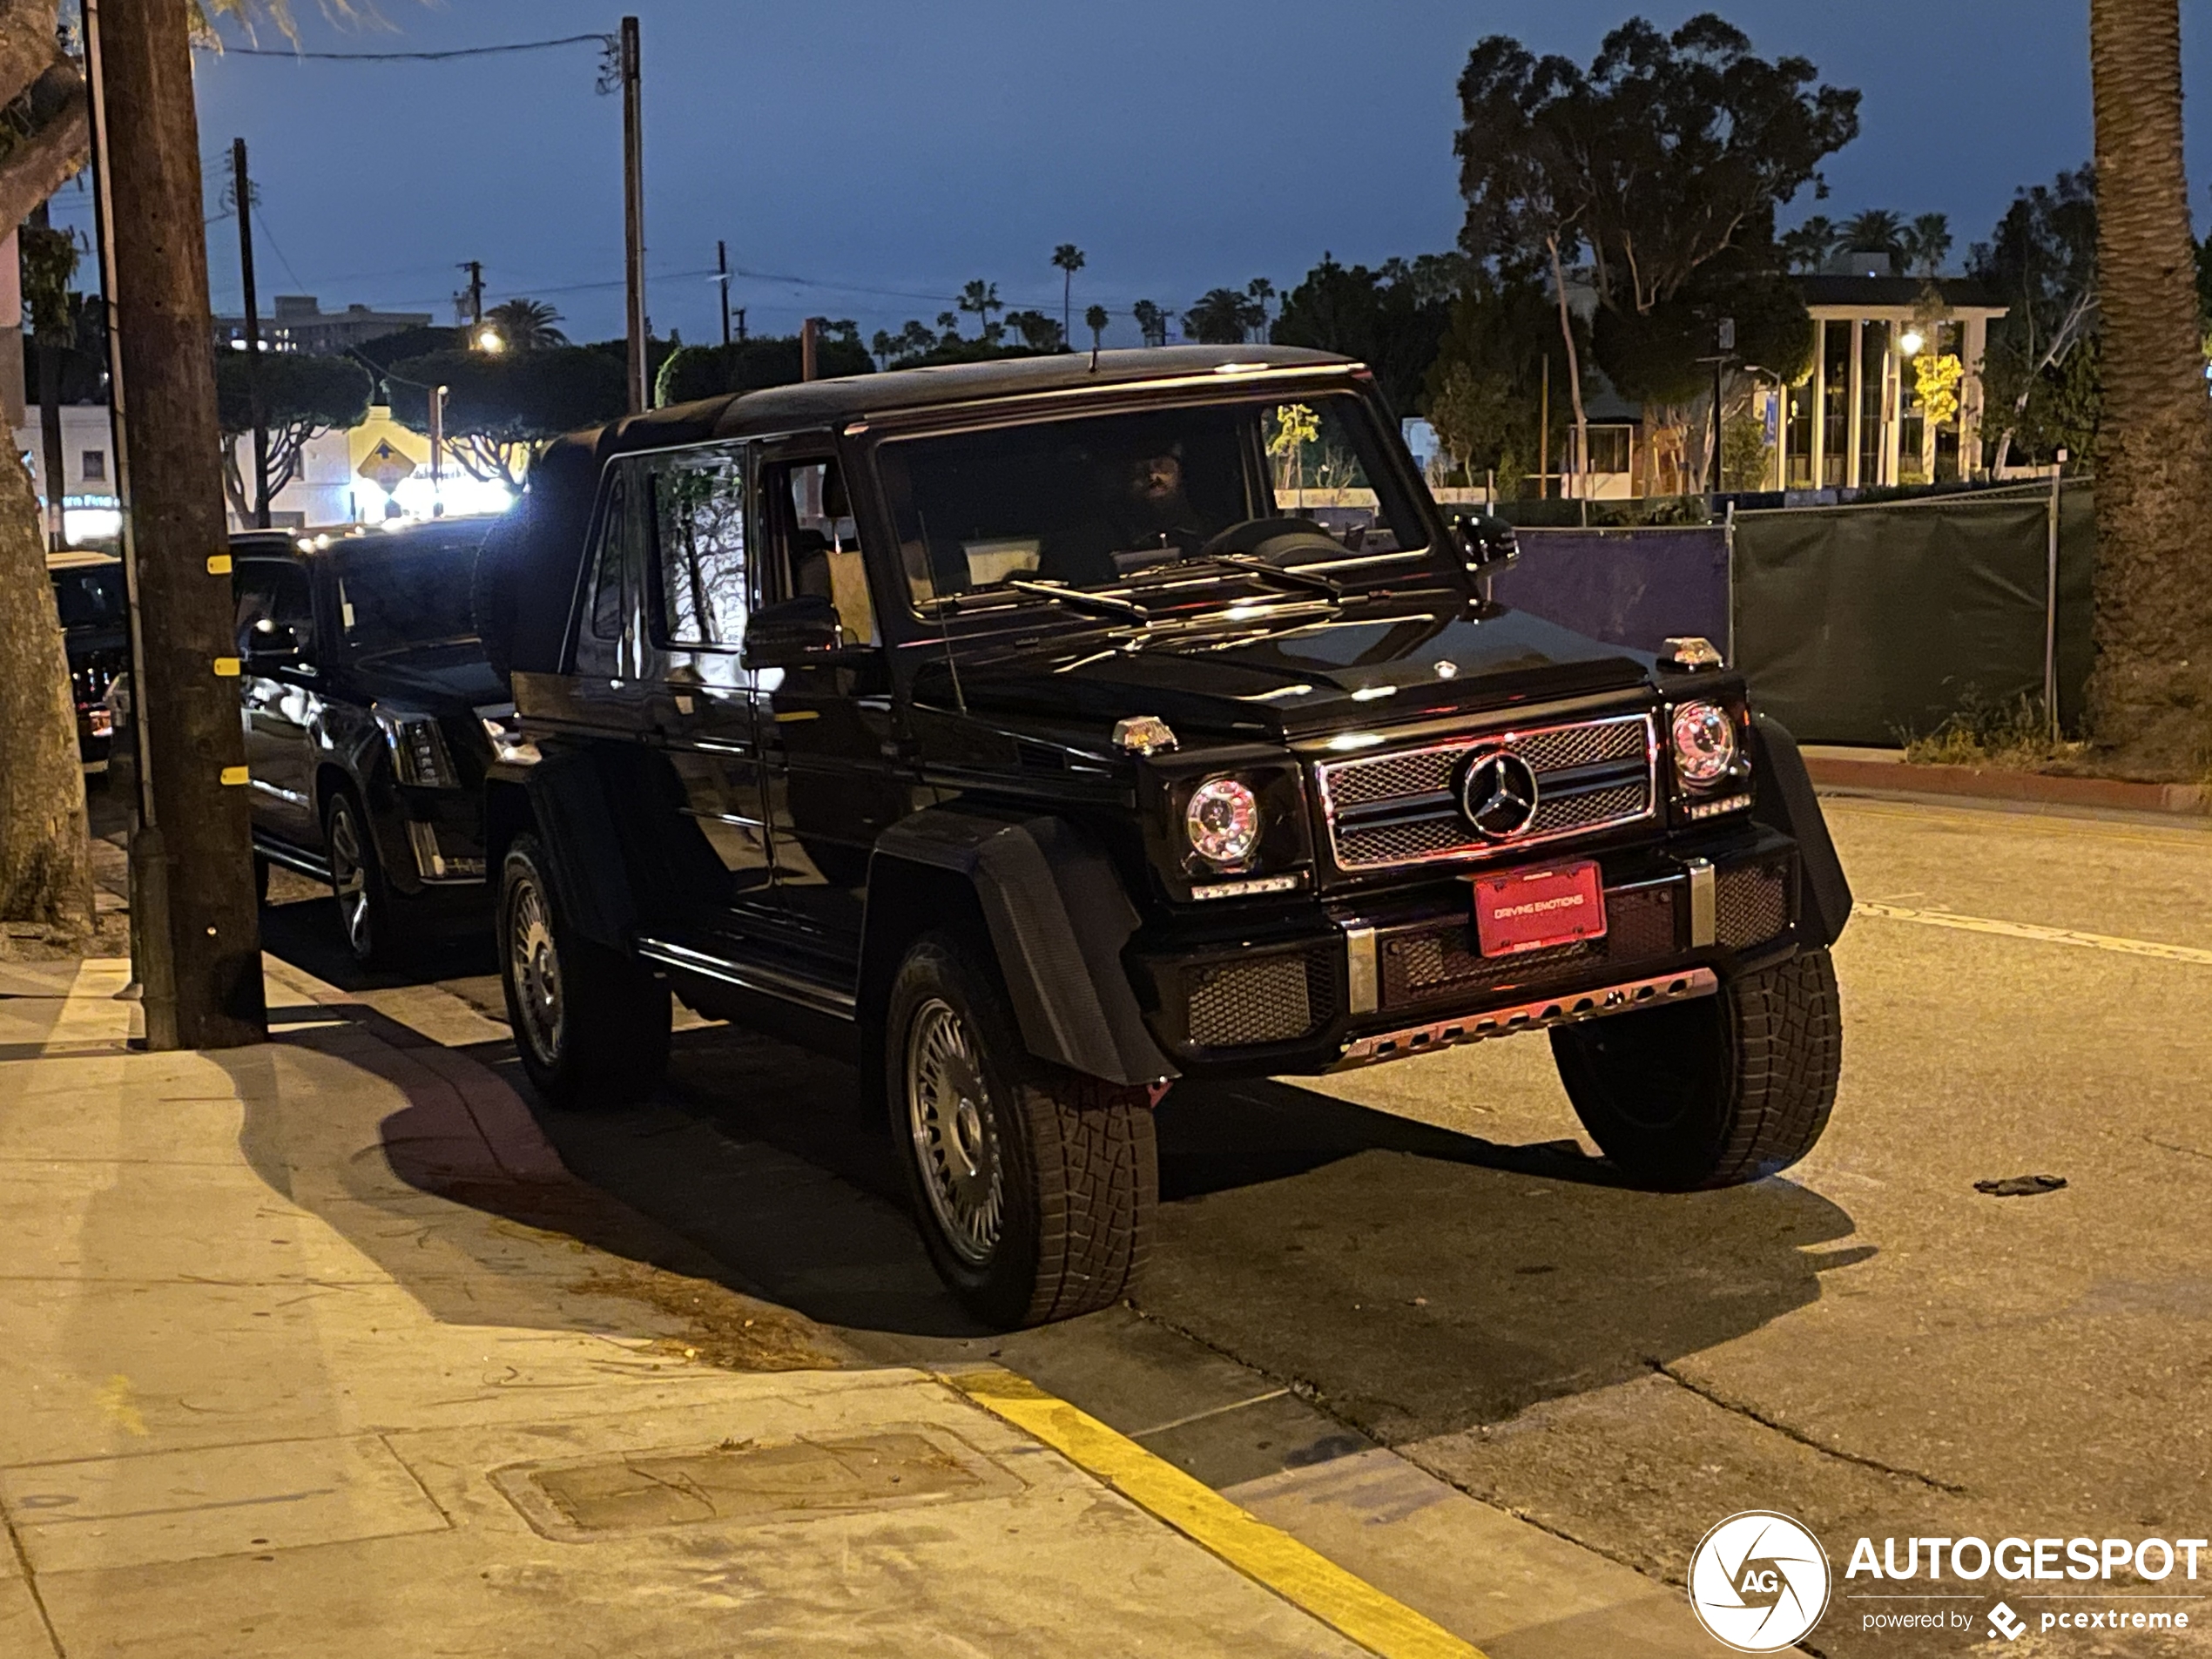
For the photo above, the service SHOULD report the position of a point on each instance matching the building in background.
(91, 511)
(297, 322)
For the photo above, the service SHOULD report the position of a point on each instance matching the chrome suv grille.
(1388, 810)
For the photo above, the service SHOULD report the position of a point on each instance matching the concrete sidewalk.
(293, 1368)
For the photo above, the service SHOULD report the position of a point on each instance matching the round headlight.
(1222, 821)
(1704, 743)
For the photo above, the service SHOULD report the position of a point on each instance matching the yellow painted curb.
(1267, 1554)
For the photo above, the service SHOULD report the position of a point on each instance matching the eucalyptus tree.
(1662, 163)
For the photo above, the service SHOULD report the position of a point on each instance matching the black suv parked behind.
(95, 632)
(371, 716)
(1015, 728)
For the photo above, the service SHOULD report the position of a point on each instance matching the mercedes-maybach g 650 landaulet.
(1040, 732)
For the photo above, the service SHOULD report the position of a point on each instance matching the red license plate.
(1533, 909)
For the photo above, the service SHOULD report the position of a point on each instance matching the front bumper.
(1352, 981)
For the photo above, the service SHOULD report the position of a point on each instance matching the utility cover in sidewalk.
(578, 1500)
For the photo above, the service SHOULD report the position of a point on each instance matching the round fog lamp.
(1222, 821)
(1704, 743)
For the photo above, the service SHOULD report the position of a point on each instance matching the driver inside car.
(1145, 517)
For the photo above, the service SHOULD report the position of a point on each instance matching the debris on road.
(2020, 1186)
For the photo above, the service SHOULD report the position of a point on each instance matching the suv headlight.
(1705, 745)
(419, 753)
(1223, 822)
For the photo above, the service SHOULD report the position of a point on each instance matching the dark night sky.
(892, 145)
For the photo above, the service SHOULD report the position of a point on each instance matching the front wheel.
(1714, 1093)
(369, 914)
(1034, 1188)
(590, 1025)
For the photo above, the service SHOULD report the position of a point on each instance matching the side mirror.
(1487, 542)
(784, 634)
(272, 643)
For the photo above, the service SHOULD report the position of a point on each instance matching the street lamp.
(1912, 342)
(490, 340)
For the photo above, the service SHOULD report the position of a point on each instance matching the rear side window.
(699, 535)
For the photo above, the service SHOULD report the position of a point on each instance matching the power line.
(418, 57)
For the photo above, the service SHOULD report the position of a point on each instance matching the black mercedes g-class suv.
(1017, 730)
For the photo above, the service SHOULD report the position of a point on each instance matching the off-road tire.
(601, 1040)
(374, 921)
(1714, 1093)
(1078, 1164)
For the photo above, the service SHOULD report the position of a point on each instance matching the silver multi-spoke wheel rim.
(535, 964)
(956, 1140)
(349, 879)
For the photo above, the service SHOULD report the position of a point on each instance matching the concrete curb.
(1981, 783)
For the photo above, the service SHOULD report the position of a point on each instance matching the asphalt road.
(1431, 1257)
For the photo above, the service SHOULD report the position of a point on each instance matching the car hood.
(1371, 665)
(450, 677)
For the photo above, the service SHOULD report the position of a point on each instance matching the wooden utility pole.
(722, 280)
(633, 210)
(809, 337)
(476, 270)
(196, 930)
(242, 187)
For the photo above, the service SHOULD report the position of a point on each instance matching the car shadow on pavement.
(1425, 1279)
(303, 931)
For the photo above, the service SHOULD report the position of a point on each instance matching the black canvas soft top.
(531, 562)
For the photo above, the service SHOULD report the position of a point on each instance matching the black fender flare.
(1057, 917)
(583, 847)
(1784, 799)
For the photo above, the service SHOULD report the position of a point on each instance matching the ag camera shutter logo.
(1758, 1581)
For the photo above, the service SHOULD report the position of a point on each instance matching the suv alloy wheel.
(368, 917)
(1034, 1187)
(590, 1025)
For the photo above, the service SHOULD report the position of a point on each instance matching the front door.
(699, 593)
(277, 694)
(830, 760)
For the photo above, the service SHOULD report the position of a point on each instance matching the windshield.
(89, 598)
(1092, 501)
(391, 597)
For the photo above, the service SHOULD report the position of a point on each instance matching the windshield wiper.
(1312, 581)
(1104, 604)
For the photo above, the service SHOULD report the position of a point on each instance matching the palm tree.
(1927, 242)
(1096, 320)
(1151, 321)
(526, 325)
(1067, 259)
(1876, 231)
(1807, 247)
(1261, 291)
(982, 298)
(1223, 317)
(2150, 692)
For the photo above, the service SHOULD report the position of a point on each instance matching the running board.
(1527, 1017)
(751, 976)
(292, 859)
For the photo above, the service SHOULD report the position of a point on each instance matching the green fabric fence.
(1863, 624)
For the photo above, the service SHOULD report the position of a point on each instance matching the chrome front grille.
(1384, 811)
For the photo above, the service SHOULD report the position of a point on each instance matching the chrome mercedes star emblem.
(1499, 795)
